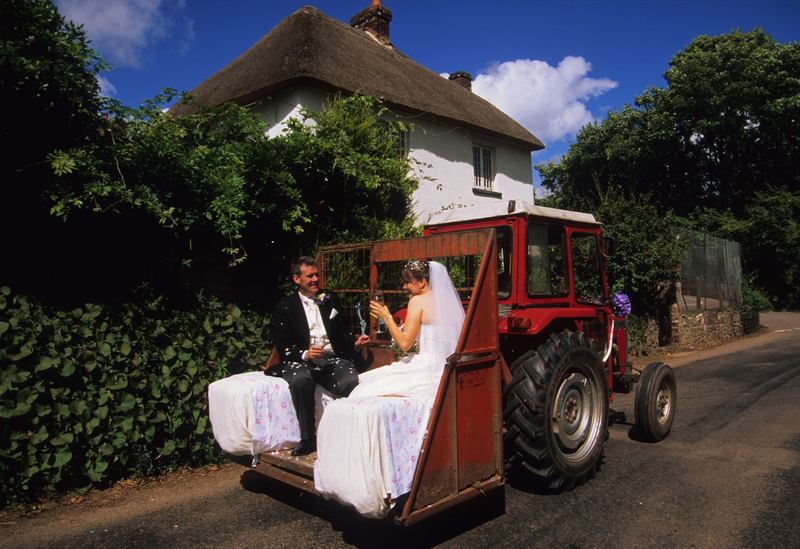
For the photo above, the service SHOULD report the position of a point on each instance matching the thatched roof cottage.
(476, 153)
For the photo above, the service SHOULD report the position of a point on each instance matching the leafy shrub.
(753, 302)
(637, 333)
(751, 320)
(99, 392)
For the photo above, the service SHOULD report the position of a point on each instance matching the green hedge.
(753, 302)
(751, 319)
(99, 393)
(637, 333)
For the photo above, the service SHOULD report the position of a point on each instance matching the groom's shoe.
(305, 447)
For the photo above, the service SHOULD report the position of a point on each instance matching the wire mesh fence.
(711, 271)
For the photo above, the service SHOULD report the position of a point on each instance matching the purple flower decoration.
(322, 298)
(620, 304)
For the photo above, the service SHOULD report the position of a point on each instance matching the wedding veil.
(443, 311)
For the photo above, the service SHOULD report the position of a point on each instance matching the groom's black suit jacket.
(292, 336)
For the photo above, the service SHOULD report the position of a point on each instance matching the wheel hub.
(663, 404)
(573, 411)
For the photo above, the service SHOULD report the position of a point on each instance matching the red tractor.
(567, 352)
(539, 358)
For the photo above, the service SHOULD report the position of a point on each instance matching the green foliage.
(339, 179)
(752, 297)
(721, 137)
(352, 183)
(735, 97)
(197, 171)
(753, 302)
(98, 393)
(217, 183)
(769, 231)
(48, 81)
(648, 257)
(624, 152)
(751, 320)
(637, 332)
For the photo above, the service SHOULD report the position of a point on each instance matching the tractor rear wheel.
(556, 410)
(655, 400)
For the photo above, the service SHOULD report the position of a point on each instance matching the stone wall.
(698, 330)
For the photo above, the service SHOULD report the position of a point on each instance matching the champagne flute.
(318, 341)
(380, 331)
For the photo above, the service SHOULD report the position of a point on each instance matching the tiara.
(418, 265)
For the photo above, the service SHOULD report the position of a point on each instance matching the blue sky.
(552, 65)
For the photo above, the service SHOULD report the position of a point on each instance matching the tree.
(737, 102)
(48, 86)
(724, 127)
(723, 131)
(355, 183)
(646, 266)
(770, 233)
(625, 152)
(647, 259)
(220, 187)
(48, 82)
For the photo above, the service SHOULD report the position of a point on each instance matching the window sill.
(486, 192)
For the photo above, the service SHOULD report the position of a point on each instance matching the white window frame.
(483, 167)
(402, 147)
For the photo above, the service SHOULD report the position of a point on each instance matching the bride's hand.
(379, 311)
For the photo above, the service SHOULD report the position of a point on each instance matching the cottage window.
(482, 167)
(400, 141)
(396, 134)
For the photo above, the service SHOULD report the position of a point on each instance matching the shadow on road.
(383, 534)
(634, 433)
(518, 477)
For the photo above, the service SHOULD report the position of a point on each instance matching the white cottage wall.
(279, 107)
(448, 152)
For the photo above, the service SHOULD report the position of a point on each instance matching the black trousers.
(337, 376)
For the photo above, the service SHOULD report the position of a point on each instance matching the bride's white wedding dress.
(417, 375)
(368, 444)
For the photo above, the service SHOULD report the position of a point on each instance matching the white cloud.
(107, 89)
(122, 29)
(548, 101)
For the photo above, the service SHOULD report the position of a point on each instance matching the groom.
(315, 347)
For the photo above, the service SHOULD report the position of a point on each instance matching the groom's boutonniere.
(322, 298)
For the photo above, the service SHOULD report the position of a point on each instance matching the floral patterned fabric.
(365, 441)
(388, 429)
(252, 413)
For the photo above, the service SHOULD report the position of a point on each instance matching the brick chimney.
(463, 79)
(374, 20)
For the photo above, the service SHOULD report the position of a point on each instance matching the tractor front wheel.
(654, 404)
(556, 410)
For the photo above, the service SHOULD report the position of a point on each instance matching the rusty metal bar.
(480, 489)
(289, 477)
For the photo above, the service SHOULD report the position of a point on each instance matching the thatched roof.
(310, 48)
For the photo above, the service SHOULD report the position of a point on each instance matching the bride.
(367, 451)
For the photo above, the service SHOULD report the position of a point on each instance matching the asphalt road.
(727, 476)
